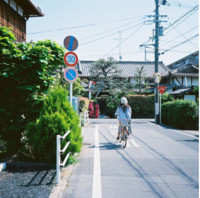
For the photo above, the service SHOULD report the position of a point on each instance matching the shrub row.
(182, 114)
(142, 106)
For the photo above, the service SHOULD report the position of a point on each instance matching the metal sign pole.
(160, 108)
(70, 95)
(90, 95)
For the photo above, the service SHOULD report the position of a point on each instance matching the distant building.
(183, 76)
(15, 13)
(129, 71)
(183, 73)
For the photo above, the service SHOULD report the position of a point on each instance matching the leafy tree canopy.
(27, 70)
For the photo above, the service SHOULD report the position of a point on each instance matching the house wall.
(177, 81)
(133, 80)
(191, 81)
(13, 17)
(195, 81)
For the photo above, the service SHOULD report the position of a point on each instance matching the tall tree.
(103, 72)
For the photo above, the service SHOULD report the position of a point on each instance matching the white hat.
(124, 100)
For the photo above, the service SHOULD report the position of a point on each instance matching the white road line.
(96, 190)
(134, 143)
(177, 131)
(186, 134)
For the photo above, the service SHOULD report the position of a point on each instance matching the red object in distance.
(162, 89)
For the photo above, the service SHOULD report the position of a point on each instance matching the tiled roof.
(186, 70)
(128, 68)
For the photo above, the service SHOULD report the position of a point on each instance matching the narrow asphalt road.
(158, 162)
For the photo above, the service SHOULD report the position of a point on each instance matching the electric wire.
(81, 26)
(124, 40)
(185, 37)
(186, 15)
(173, 40)
(109, 35)
(118, 27)
(179, 44)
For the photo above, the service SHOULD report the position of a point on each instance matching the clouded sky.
(98, 25)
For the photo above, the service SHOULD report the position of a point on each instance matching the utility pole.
(120, 57)
(158, 32)
(156, 58)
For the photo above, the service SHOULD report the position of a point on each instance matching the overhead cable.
(173, 40)
(186, 15)
(81, 26)
(123, 40)
(109, 35)
(179, 44)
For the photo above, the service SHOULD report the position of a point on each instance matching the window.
(13, 5)
(20, 11)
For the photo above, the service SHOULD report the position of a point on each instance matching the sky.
(110, 28)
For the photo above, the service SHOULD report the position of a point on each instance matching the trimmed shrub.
(166, 97)
(57, 117)
(111, 108)
(182, 114)
(142, 106)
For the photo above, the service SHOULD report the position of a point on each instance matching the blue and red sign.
(70, 59)
(70, 43)
(70, 74)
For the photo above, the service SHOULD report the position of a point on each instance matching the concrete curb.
(58, 189)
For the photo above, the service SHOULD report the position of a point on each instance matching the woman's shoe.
(117, 138)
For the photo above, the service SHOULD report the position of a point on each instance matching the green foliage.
(142, 106)
(56, 117)
(182, 114)
(111, 107)
(26, 72)
(166, 98)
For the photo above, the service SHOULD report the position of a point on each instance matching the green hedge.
(142, 106)
(56, 117)
(182, 114)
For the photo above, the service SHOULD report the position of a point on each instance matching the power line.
(109, 35)
(172, 40)
(81, 26)
(123, 40)
(188, 14)
(118, 27)
(185, 37)
(179, 44)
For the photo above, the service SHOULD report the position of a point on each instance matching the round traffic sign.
(70, 59)
(70, 43)
(70, 74)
